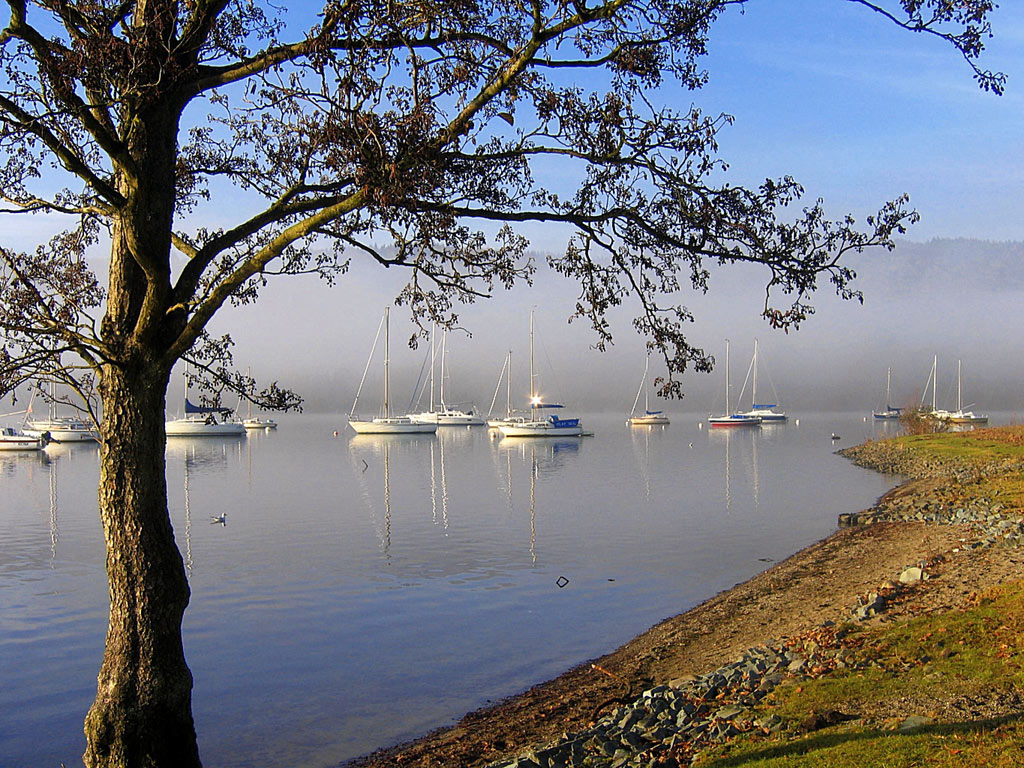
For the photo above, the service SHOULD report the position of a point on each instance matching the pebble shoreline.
(665, 725)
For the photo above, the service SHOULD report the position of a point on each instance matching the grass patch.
(994, 744)
(983, 445)
(926, 667)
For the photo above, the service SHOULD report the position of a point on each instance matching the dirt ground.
(820, 583)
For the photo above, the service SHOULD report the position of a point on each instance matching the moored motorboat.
(12, 439)
(259, 423)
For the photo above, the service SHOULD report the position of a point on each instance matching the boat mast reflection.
(544, 458)
(54, 533)
(381, 446)
(746, 443)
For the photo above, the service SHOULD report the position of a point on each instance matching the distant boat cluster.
(537, 424)
(539, 419)
(959, 416)
(38, 431)
(203, 421)
(758, 414)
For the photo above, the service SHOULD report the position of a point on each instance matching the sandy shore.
(820, 583)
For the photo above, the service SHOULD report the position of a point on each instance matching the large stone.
(911, 575)
(914, 722)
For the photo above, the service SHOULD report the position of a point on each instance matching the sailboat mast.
(727, 412)
(433, 358)
(387, 362)
(444, 352)
(753, 390)
(959, 408)
(935, 370)
(508, 387)
(533, 390)
(647, 365)
(888, 375)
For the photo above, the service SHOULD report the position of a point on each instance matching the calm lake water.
(365, 590)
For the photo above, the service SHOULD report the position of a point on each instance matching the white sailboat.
(648, 417)
(762, 410)
(60, 429)
(550, 426)
(256, 422)
(510, 417)
(960, 416)
(936, 412)
(203, 421)
(890, 413)
(729, 419)
(447, 416)
(386, 424)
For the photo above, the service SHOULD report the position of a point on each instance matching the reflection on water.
(739, 447)
(641, 436)
(371, 458)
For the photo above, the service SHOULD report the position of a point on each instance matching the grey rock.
(911, 575)
(914, 722)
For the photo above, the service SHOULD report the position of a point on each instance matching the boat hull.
(448, 419)
(735, 420)
(967, 419)
(646, 421)
(200, 428)
(767, 415)
(61, 431)
(542, 429)
(11, 440)
(391, 427)
(259, 424)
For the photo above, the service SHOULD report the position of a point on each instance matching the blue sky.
(859, 111)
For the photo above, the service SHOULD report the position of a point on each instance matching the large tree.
(412, 124)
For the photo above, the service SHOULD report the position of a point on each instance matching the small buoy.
(335, 433)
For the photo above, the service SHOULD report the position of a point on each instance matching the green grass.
(984, 445)
(973, 653)
(981, 448)
(994, 744)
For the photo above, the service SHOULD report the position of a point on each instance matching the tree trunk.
(142, 715)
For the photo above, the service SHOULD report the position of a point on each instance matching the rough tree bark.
(142, 714)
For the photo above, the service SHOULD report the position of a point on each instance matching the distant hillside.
(957, 264)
